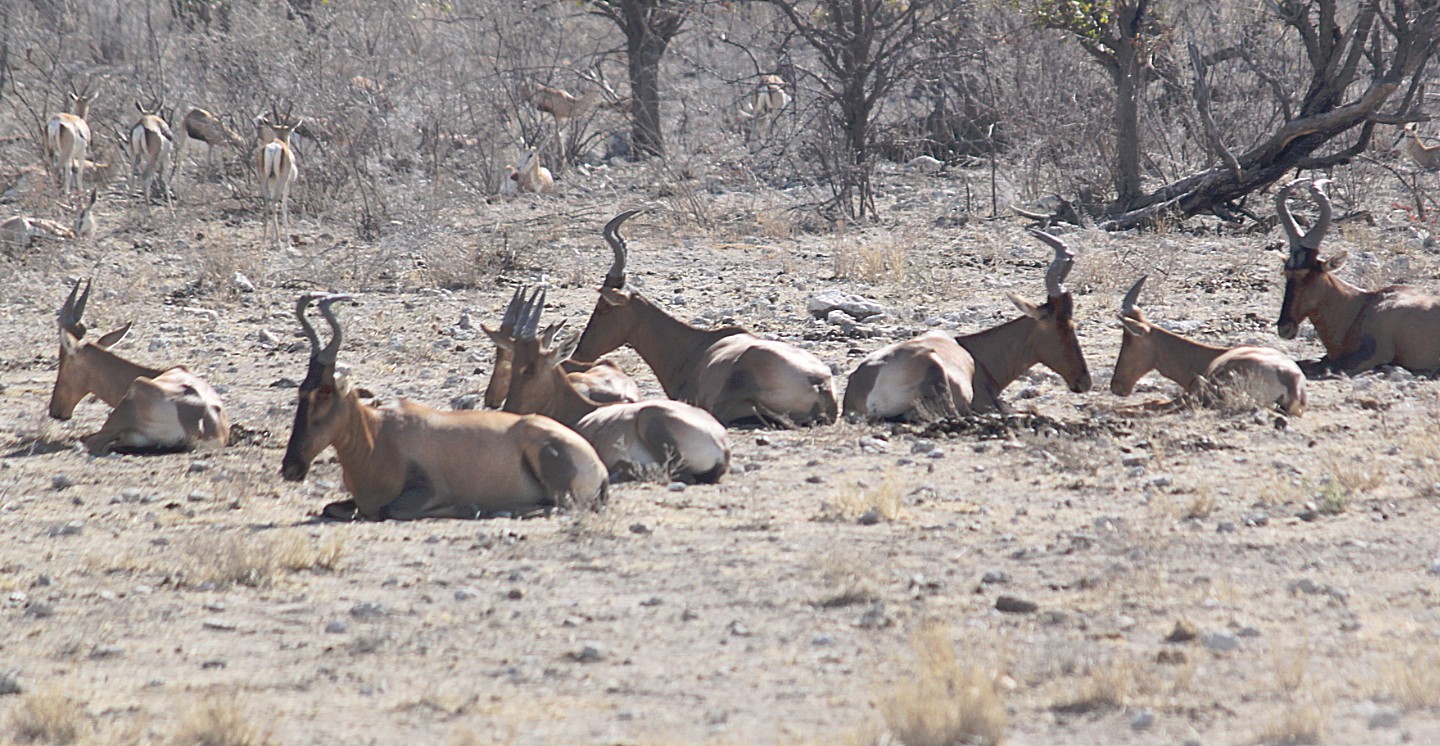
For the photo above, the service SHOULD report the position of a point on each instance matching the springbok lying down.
(407, 461)
(602, 381)
(156, 410)
(936, 376)
(636, 440)
(1208, 374)
(1361, 329)
(729, 372)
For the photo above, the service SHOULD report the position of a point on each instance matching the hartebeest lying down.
(1361, 329)
(407, 461)
(601, 381)
(636, 440)
(936, 376)
(1209, 374)
(156, 410)
(729, 372)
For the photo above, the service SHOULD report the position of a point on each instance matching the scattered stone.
(822, 304)
(466, 593)
(736, 628)
(1171, 657)
(874, 617)
(1435, 566)
(368, 610)
(219, 625)
(589, 653)
(198, 467)
(105, 652)
(1384, 719)
(689, 616)
(1220, 642)
(639, 528)
(10, 682)
(1137, 459)
(213, 664)
(1248, 632)
(937, 453)
(1225, 527)
(242, 283)
(815, 479)
(61, 481)
(1013, 605)
(1257, 520)
(652, 601)
(867, 444)
(69, 528)
(1183, 632)
(870, 518)
(922, 447)
(472, 400)
(337, 627)
(268, 338)
(1142, 720)
(515, 594)
(995, 577)
(40, 610)
(1053, 617)
(676, 486)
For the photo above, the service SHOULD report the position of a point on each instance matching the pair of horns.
(522, 314)
(324, 301)
(1059, 267)
(74, 309)
(1304, 247)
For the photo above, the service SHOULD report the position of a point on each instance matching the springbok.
(67, 137)
(530, 176)
(275, 165)
(601, 381)
(560, 103)
(1361, 329)
(406, 461)
(156, 410)
(636, 440)
(763, 104)
(729, 372)
(936, 376)
(149, 144)
(1424, 156)
(1208, 374)
(203, 126)
(20, 231)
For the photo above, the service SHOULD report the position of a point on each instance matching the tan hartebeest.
(601, 381)
(155, 409)
(729, 372)
(150, 143)
(67, 137)
(936, 376)
(636, 440)
(275, 165)
(1361, 329)
(1208, 374)
(407, 461)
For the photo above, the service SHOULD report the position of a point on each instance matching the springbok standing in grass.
(277, 170)
(203, 126)
(936, 376)
(1361, 329)
(67, 137)
(150, 143)
(729, 372)
(1209, 375)
(663, 439)
(156, 410)
(601, 381)
(20, 232)
(406, 461)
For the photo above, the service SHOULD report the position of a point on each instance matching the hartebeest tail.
(936, 376)
(641, 440)
(729, 372)
(1208, 374)
(407, 461)
(155, 409)
(1361, 329)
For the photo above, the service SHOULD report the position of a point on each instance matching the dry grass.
(870, 258)
(1106, 685)
(257, 560)
(847, 579)
(1413, 680)
(47, 717)
(886, 498)
(219, 722)
(946, 701)
(1201, 506)
(1305, 713)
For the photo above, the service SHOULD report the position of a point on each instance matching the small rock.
(1384, 719)
(465, 594)
(242, 283)
(922, 446)
(468, 401)
(105, 652)
(1138, 459)
(590, 653)
(1225, 527)
(867, 444)
(213, 664)
(821, 641)
(995, 577)
(40, 610)
(639, 528)
(652, 601)
(1435, 566)
(61, 481)
(1248, 632)
(10, 682)
(368, 610)
(69, 528)
(1183, 632)
(736, 628)
(198, 467)
(676, 486)
(821, 304)
(1142, 720)
(1257, 520)
(870, 518)
(1220, 642)
(219, 625)
(815, 479)
(515, 594)
(337, 627)
(1013, 605)
(1307, 586)
(268, 338)
(874, 617)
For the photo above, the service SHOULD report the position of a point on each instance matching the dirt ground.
(165, 599)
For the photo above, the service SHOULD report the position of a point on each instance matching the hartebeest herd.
(562, 423)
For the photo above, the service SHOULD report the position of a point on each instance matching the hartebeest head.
(1136, 358)
(1053, 337)
(78, 375)
(319, 413)
(613, 321)
(1304, 269)
(535, 376)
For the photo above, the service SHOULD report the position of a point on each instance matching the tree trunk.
(1126, 74)
(644, 53)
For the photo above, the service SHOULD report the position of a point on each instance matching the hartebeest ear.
(1025, 306)
(615, 296)
(1335, 261)
(562, 350)
(109, 339)
(69, 343)
(503, 341)
(342, 379)
(1132, 326)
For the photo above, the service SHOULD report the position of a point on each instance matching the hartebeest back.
(150, 143)
(67, 138)
(937, 376)
(656, 439)
(729, 372)
(407, 461)
(1361, 329)
(155, 409)
(1210, 375)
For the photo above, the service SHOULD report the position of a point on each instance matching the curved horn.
(615, 278)
(327, 355)
(302, 303)
(512, 312)
(528, 327)
(73, 311)
(1059, 268)
(1287, 219)
(1127, 306)
(1312, 237)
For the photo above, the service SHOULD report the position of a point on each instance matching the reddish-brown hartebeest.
(406, 461)
(936, 376)
(1361, 329)
(156, 410)
(636, 440)
(1208, 374)
(729, 372)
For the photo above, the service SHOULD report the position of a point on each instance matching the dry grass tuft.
(848, 579)
(1201, 506)
(1305, 714)
(47, 717)
(1107, 685)
(887, 499)
(946, 702)
(257, 560)
(871, 258)
(218, 722)
(1413, 680)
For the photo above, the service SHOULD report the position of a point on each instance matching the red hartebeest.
(406, 461)
(155, 409)
(1209, 374)
(729, 372)
(636, 440)
(1361, 329)
(937, 376)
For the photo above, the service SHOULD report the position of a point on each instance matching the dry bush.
(887, 499)
(1413, 680)
(257, 560)
(871, 258)
(946, 701)
(1305, 713)
(846, 578)
(48, 717)
(217, 721)
(1106, 685)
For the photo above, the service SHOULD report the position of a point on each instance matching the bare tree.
(649, 26)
